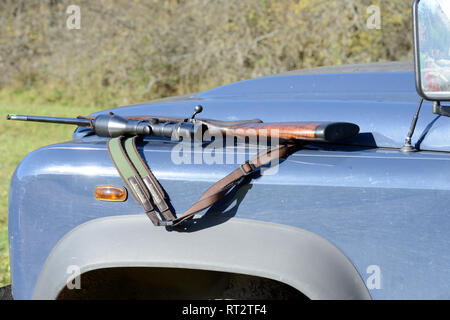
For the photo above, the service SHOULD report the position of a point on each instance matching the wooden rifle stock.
(291, 131)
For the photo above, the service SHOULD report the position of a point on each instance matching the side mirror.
(431, 27)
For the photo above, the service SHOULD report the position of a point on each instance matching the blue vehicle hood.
(365, 202)
(381, 103)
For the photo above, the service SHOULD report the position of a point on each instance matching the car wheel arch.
(293, 256)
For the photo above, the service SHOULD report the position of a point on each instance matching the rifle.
(111, 125)
(143, 185)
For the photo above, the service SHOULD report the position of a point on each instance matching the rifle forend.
(308, 131)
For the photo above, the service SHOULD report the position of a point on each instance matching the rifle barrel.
(74, 121)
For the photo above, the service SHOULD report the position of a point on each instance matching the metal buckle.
(251, 165)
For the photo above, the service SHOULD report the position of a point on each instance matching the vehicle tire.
(6, 293)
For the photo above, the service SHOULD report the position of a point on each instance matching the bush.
(130, 51)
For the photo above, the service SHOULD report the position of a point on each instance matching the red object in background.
(431, 82)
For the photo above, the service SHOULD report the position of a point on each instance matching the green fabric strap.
(123, 166)
(154, 188)
(131, 177)
(135, 158)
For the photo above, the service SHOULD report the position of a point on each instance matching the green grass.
(17, 139)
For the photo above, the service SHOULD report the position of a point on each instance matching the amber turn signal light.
(110, 193)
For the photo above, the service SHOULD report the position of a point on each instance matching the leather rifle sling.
(154, 188)
(131, 177)
(221, 187)
(144, 185)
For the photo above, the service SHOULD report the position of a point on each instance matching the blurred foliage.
(133, 50)
(5, 277)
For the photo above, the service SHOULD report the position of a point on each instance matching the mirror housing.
(431, 37)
